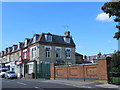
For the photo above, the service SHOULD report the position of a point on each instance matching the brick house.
(50, 48)
(18, 63)
(78, 58)
(95, 57)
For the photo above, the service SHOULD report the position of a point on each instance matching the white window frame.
(48, 38)
(25, 43)
(59, 52)
(68, 57)
(12, 59)
(33, 52)
(25, 55)
(30, 68)
(13, 49)
(67, 40)
(18, 46)
(34, 39)
(48, 52)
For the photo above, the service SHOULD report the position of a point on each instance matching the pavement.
(80, 84)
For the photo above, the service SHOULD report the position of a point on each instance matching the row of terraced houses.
(41, 48)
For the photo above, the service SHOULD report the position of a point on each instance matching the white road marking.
(21, 83)
(39, 88)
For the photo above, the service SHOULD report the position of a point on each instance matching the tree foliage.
(115, 63)
(113, 9)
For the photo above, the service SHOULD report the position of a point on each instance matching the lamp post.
(41, 74)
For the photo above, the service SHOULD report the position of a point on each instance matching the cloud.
(104, 17)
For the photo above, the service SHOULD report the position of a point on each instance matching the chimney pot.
(67, 33)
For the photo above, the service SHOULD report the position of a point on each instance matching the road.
(32, 84)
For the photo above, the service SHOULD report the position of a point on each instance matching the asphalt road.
(30, 84)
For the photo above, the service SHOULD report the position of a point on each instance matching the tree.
(113, 9)
(99, 54)
(115, 63)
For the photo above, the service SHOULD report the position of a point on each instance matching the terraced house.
(45, 48)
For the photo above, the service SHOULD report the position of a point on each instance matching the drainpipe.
(83, 72)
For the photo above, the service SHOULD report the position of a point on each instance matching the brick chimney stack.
(67, 33)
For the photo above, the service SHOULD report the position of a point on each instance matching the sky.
(91, 29)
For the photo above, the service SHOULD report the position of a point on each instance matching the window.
(25, 55)
(30, 68)
(58, 51)
(67, 40)
(48, 52)
(48, 38)
(12, 58)
(13, 49)
(34, 39)
(68, 53)
(34, 52)
(25, 43)
(18, 46)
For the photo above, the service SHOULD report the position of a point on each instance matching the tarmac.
(81, 84)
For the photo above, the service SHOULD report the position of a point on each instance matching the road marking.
(21, 83)
(39, 88)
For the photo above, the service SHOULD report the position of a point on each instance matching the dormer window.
(13, 49)
(8, 50)
(18, 46)
(34, 39)
(67, 40)
(25, 43)
(4, 52)
(48, 38)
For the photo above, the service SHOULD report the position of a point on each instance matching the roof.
(77, 54)
(101, 55)
(56, 40)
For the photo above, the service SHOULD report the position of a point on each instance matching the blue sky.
(91, 30)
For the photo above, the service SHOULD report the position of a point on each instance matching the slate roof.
(77, 54)
(56, 39)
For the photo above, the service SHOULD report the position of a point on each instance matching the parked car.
(2, 73)
(10, 75)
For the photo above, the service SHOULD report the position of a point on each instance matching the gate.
(43, 71)
(114, 77)
(113, 70)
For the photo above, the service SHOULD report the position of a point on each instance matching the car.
(2, 73)
(10, 75)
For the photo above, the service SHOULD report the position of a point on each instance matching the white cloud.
(104, 17)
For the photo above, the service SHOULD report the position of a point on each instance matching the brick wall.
(86, 72)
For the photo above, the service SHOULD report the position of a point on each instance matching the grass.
(115, 79)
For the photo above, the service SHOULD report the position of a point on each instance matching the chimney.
(67, 33)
